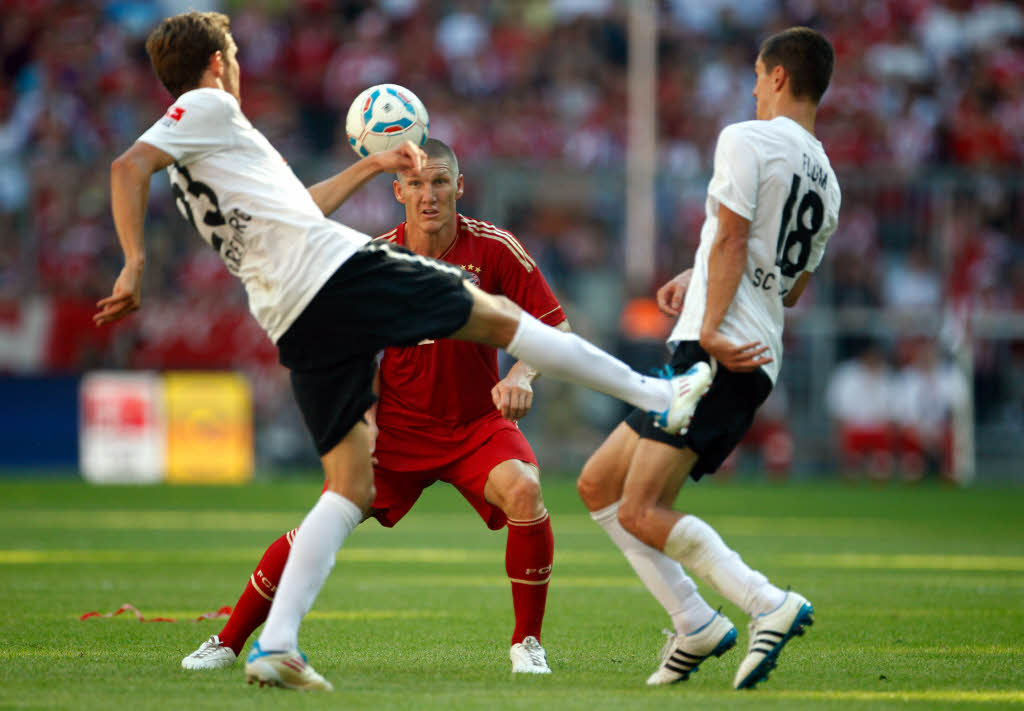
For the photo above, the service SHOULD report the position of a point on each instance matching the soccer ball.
(384, 116)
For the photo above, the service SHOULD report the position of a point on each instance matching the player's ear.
(779, 77)
(399, 195)
(216, 64)
(459, 188)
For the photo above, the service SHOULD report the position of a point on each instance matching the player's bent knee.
(633, 517)
(588, 489)
(525, 493)
(514, 487)
(595, 489)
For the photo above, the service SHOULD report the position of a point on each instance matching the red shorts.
(411, 460)
(910, 441)
(857, 440)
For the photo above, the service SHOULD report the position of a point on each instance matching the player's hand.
(737, 358)
(673, 292)
(513, 397)
(407, 158)
(125, 297)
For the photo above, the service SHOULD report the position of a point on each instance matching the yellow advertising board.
(209, 428)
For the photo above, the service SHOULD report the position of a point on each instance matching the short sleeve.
(735, 180)
(197, 124)
(522, 281)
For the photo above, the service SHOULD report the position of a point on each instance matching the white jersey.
(775, 174)
(240, 194)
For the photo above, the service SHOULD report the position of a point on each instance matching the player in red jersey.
(444, 414)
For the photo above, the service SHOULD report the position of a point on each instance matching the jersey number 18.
(794, 245)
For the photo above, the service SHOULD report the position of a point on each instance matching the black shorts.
(383, 295)
(722, 417)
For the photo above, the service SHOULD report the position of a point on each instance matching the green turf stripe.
(880, 561)
(935, 695)
(905, 561)
(120, 519)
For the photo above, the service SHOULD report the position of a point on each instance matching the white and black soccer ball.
(384, 116)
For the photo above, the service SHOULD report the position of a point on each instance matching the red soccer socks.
(528, 556)
(254, 604)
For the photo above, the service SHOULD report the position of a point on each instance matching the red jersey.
(447, 383)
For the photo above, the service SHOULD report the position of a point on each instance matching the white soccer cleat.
(687, 390)
(768, 635)
(212, 654)
(683, 653)
(289, 670)
(528, 657)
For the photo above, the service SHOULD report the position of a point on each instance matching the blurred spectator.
(924, 92)
(18, 115)
(926, 392)
(860, 401)
(912, 282)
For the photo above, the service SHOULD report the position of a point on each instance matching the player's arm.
(793, 295)
(672, 293)
(727, 261)
(513, 394)
(331, 193)
(129, 193)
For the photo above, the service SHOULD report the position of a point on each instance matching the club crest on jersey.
(472, 273)
(172, 116)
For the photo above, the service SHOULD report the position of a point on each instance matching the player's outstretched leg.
(769, 633)
(289, 670)
(568, 357)
(683, 654)
(497, 321)
(212, 654)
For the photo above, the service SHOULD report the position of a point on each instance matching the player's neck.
(802, 112)
(430, 244)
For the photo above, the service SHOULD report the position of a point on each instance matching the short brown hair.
(180, 47)
(436, 148)
(807, 57)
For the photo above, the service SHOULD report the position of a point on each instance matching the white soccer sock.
(664, 577)
(310, 561)
(697, 546)
(568, 357)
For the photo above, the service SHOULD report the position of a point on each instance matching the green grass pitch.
(919, 598)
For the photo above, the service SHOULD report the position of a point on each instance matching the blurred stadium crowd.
(924, 124)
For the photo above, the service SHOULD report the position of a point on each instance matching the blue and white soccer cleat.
(768, 635)
(289, 670)
(683, 653)
(687, 390)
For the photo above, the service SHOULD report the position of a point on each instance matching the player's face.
(232, 72)
(762, 90)
(429, 197)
